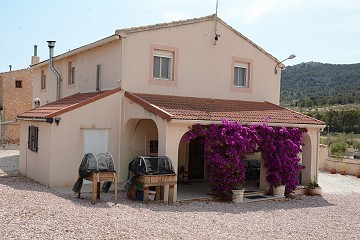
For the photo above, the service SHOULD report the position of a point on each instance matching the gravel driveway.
(29, 210)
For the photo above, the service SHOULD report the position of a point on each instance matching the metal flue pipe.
(51, 45)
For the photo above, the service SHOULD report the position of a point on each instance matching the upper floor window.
(71, 72)
(163, 65)
(162, 68)
(18, 84)
(43, 79)
(241, 74)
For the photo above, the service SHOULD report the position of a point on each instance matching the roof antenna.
(216, 21)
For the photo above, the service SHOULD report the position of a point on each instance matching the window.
(18, 84)
(43, 79)
(162, 67)
(241, 75)
(153, 148)
(33, 138)
(71, 72)
(152, 145)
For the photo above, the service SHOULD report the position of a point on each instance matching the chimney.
(10, 66)
(51, 45)
(35, 59)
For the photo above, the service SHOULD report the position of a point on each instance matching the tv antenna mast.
(216, 38)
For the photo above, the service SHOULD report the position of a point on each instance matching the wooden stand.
(157, 181)
(96, 179)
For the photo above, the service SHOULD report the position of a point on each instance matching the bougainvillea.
(227, 144)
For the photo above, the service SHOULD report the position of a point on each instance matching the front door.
(196, 159)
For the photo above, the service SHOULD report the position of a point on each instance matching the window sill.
(162, 82)
(241, 89)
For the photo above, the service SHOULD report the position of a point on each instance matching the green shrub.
(356, 145)
(338, 149)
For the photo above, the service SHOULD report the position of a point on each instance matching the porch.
(200, 190)
(156, 124)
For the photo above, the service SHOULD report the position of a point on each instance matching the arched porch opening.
(140, 138)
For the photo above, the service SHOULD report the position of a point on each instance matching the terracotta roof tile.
(66, 104)
(191, 108)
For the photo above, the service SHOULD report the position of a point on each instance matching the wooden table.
(96, 178)
(157, 181)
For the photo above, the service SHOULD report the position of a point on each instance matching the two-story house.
(138, 91)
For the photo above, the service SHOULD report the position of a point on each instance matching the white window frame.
(242, 66)
(161, 55)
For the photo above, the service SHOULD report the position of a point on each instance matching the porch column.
(310, 155)
(169, 136)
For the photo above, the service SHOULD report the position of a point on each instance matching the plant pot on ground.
(312, 188)
(333, 170)
(358, 173)
(279, 191)
(238, 195)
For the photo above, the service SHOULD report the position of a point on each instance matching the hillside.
(317, 84)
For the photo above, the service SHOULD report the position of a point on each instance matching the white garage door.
(95, 140)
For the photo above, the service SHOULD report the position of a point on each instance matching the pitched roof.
(208, 109)
(66, 104)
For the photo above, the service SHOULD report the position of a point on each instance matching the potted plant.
(278, 190)
(238, 193)
(358, 173)
(343, 169)
(333, 170)
(312, 188)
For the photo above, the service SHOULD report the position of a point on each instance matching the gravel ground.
(29, 210)
(9, 159)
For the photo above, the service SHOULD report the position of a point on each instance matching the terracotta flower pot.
(333, 170)
(311, 192)
(358, 174)
(342, 172)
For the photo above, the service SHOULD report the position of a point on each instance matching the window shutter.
(36, 138)
(29, 137)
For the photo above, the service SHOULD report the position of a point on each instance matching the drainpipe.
(51, 45)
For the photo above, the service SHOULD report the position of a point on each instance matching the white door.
(95, 140)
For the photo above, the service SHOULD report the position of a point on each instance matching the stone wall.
(14, 100)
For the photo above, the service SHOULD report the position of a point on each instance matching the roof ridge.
(164, 24)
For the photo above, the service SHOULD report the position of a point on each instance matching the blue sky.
(325, 31)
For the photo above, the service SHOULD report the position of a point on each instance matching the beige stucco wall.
(61, 146)
(36, 165)
(204, 69)
(108, 56)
